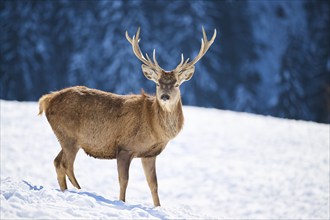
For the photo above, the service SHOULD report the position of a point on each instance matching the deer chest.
(153, 150)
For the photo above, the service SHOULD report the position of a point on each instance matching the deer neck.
(169, 119)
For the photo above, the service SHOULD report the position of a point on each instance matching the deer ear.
(186, 74)
(150, 73)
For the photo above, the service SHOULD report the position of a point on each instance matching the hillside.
(223, 165)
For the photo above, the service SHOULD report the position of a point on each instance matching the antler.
(204, 47)
(137, 51)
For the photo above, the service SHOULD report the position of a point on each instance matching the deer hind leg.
(70, 156)
(64, 164)
(60, 171)
(149, 167)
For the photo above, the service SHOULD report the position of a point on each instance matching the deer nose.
(165, 97)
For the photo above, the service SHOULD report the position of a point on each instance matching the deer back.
(102, 123)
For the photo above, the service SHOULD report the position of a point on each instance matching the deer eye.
(157, 84)
(176, 85)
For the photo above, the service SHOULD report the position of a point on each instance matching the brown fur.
(105, 124)
(109, 126)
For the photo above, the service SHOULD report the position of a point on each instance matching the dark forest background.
(269, 57)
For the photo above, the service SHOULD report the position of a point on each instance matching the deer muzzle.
(164, 97)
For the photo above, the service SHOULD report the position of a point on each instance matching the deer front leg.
(124, 159)
(149, 167)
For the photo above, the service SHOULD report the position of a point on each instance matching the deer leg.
(70, 156)
(149, 167)
(60, 171)
(124, 159)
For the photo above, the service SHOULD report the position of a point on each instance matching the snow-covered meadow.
(223, 165)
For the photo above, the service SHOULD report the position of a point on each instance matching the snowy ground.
(223, 165)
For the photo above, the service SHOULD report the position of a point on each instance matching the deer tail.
(44, 102)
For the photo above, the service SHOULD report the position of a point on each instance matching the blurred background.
(269, 57)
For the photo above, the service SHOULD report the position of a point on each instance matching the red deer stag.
(109, 126)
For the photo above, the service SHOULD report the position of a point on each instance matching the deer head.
(168, 82)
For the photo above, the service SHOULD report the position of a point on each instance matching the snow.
(223, 165)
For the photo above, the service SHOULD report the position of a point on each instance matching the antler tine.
(154, 57)
(135, 46)
(181, 63)
(137, 51)
(138, 33)
(182, 60)
(149, 60)
(128, 38)
(205, 45)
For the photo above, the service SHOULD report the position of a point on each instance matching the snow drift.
(222, 165)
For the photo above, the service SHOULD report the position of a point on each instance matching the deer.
(111, 126)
